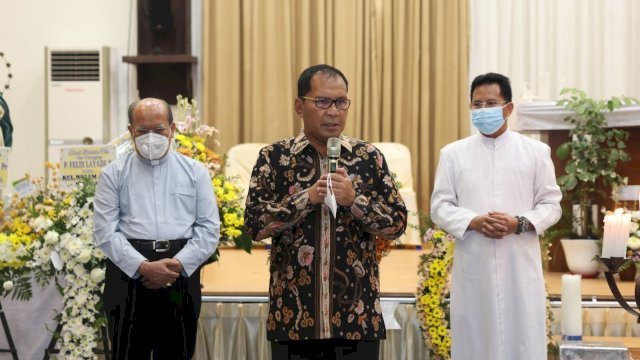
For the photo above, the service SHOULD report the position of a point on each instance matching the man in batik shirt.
(324, 287)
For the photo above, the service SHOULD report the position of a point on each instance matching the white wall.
(26, 27)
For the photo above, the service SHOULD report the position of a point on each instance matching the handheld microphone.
(333, 153)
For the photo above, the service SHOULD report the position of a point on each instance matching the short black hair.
(493, 78)
(304, 81)
(133, 106)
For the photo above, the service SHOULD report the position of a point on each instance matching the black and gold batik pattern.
(324, 275)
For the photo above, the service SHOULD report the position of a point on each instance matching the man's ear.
(508, 109)
(298, 106)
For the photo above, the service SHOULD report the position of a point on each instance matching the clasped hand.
(160, 273)
(495, 224)
(342, 188)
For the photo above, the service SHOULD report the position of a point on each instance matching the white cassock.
(498, 305)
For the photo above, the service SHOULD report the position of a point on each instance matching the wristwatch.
(523, 225)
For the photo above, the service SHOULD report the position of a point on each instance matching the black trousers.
(143, 321)
(338, 349)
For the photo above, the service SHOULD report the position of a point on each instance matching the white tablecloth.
(27, 321)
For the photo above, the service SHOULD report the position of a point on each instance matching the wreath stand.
(51, 349)
(5, 325)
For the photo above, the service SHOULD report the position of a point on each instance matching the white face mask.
(330, 198)
(152, 146)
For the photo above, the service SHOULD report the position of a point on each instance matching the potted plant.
(592, 153)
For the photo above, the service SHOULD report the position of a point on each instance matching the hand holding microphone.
(340, 181)
(333, 153)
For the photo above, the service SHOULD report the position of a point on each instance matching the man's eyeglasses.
(325, 103)
(487, 104)
(160, 130)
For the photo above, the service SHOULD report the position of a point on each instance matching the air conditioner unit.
(77, 103)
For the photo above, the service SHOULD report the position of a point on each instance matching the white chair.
(240, 161)
(398, 159)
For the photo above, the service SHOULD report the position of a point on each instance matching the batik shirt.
(324, 280)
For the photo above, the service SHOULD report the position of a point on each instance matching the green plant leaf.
(563, 151)
(570, 182)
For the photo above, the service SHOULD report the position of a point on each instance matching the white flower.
(633, 227)
(85, 212)
(51, 237)
(633, 243)
(97, 275)
(85, 256)
(79, 270)
(8, 285)
(42, 223)
(81, 299)
(98, 254)
(74, 245)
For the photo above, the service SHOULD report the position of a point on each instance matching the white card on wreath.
(77, 162)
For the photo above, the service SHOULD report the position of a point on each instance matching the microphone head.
(333, 147)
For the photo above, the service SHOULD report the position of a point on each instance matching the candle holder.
(613, 265)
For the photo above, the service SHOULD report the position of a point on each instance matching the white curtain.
(545, 45)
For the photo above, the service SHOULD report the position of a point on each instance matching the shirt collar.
(301, 142)
(497, 141)
(154, 162)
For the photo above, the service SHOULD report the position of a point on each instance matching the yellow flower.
(437, 312)
(442, 331)
(186, 143)
(436, 340)
(447, 341)
(230, 218)
(200, 146)
(424, 299)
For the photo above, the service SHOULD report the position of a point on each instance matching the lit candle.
(571, 307)
(616, 234)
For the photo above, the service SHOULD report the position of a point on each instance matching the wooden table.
(597, 287)
(240, 274)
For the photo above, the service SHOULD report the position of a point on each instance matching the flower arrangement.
(52, 232)
(190, 141)
(433, 291)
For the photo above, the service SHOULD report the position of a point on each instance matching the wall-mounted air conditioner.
(77, 100)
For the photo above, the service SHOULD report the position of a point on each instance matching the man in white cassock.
(496, 192)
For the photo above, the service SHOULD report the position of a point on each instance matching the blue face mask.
(487, 120)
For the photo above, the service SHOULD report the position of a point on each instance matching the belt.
(157, 245)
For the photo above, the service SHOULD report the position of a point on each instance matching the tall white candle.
(616, 234)
(571, 306)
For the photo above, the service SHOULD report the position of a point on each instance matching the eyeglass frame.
(160, 130)
(485, 103)
(333, 102)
